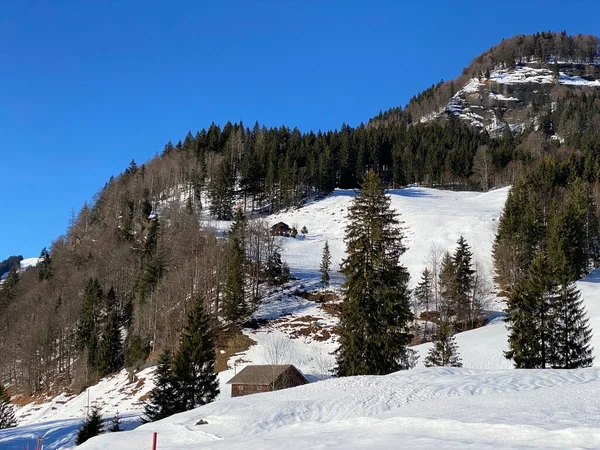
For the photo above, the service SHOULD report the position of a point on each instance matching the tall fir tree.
(530, 319)
(163, 401)
(571, 334)
(234, 299)
(424, 295)
(110, 349)
(220, 190)
(44, 266)
(194, 361)
(325, 264)
(448, 287)
(444, 351)
(7, 410)
(88, 327)
(92, 426)
(376, 313)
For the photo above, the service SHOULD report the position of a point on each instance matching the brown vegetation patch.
(333, 309)
(230, 342)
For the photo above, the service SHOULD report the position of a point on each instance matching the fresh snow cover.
(485, 404)
(525, 74)
(503, 98)
(422, 408)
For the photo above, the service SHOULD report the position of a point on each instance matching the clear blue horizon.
(88, 85)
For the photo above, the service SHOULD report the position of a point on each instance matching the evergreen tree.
(530, 321)
(234, 300)
(88, 327)
(376, 312)
(325, 264)
(277, 272)
(571, 333)
(464, 273)
(444, 351)
(92, 426)
(220, 191)
(424, 295)
(115, 426)
(8, 289)
(7, 410)
(44, 266)
(194, 362)
(164, 400)
(110, 349)
(448, 287)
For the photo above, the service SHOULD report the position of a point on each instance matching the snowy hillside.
(423, 408)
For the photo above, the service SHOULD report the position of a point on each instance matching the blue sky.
(86, 86)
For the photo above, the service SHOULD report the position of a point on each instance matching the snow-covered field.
(486, 404)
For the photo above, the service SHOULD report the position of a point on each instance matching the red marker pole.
(154, 436)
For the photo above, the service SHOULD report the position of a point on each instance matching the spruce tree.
(325, 264)
(163, 401)
(571, 333)
(7, 410)
(462, 260)
(424, 295)
(234, 299)
(194, 361)
(92, 426)
(448, 287)
(44, 266)
(444, 351)
(375, 314)
(530, 320)
(110, 349)
(88, 327)
(115, 425)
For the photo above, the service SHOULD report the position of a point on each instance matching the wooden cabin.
(265, 378)
(281, 229)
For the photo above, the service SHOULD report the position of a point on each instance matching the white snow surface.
(422, 408)
(486, 404)
(525, 74)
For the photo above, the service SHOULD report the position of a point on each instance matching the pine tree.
(194, 362)
(444, 351)
(376, 313)
(462, 260)
(276, 271)
(220, 191)
(7, 410)
(110, 349)
(44, 266)
(571, 333)
(325, 264)
(234, 300)
(424, 294)
(164, 400)
(92, 426)
(115, 425)
(529, 317)
(448, 287)
(88, 327)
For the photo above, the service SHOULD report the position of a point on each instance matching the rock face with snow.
(514, 97)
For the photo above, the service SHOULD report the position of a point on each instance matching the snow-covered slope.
(423, 408)
(482, 405)
(23, 265)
